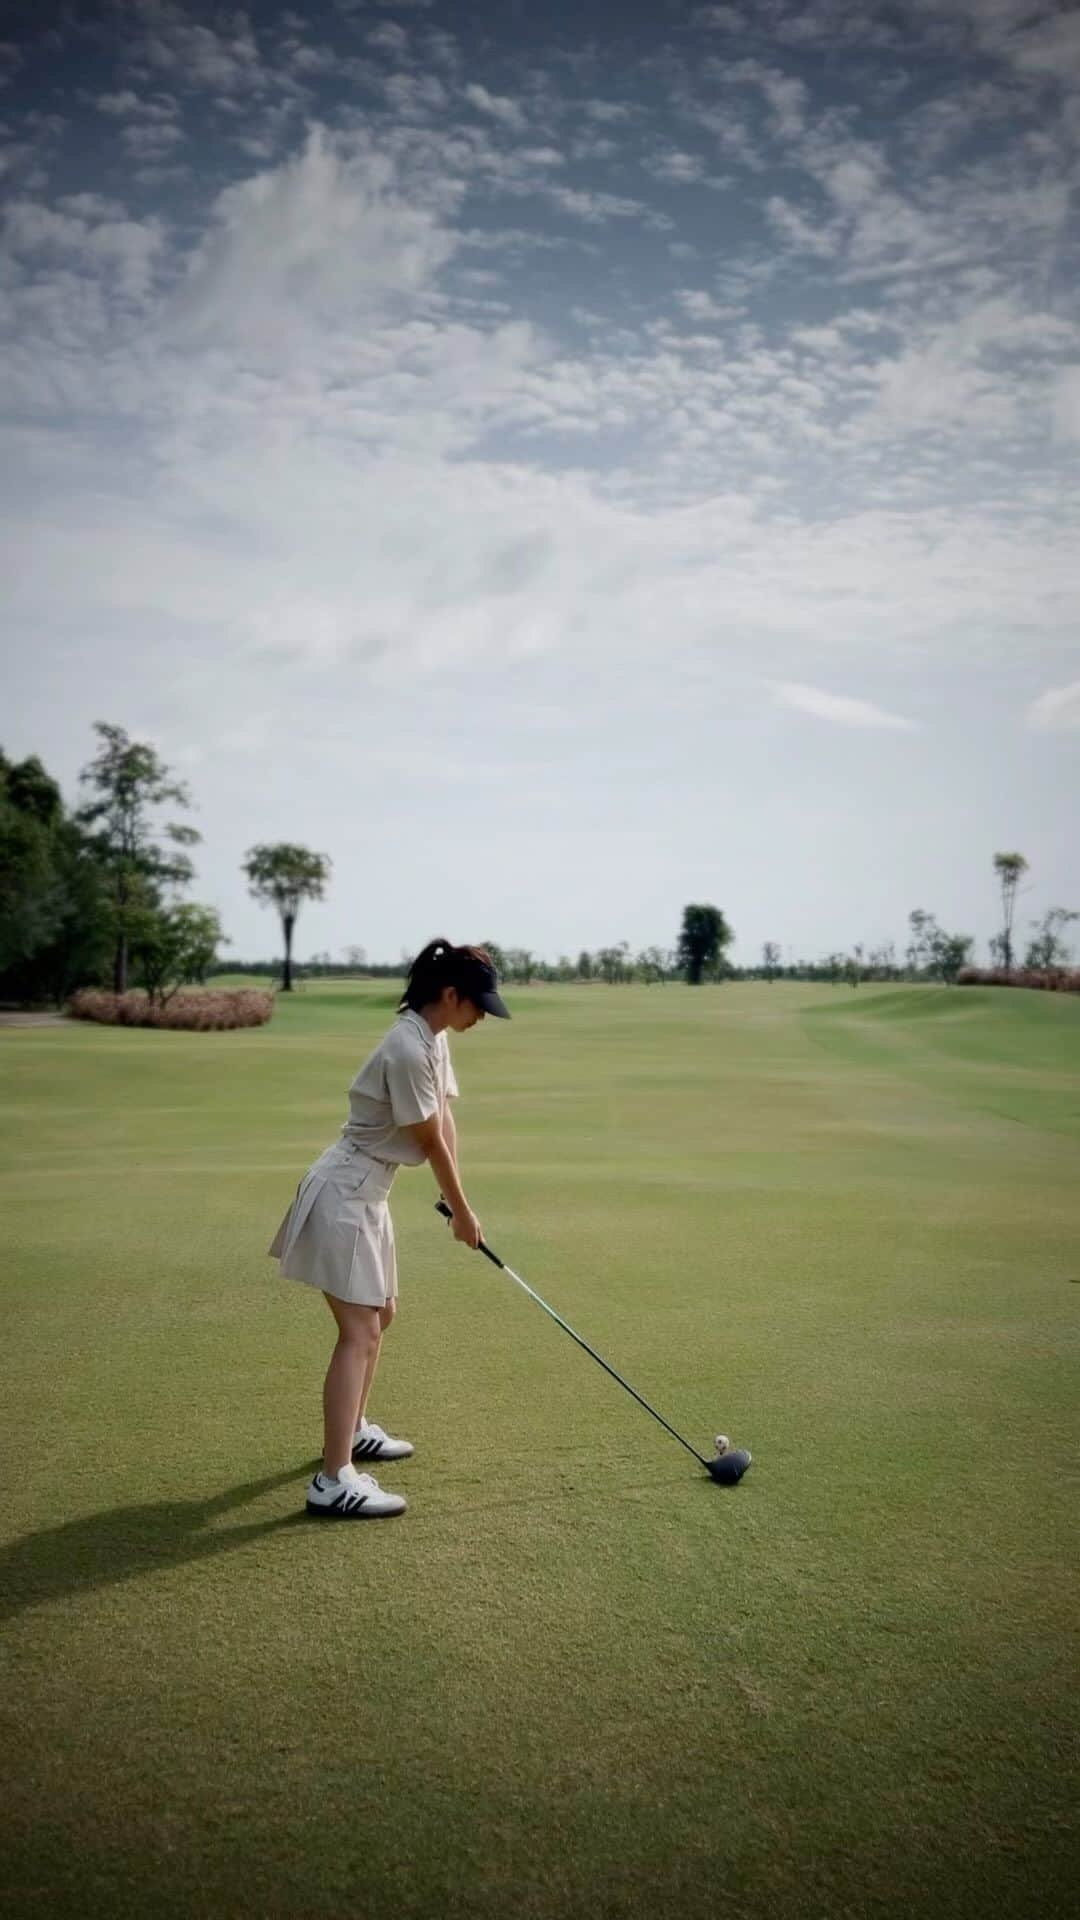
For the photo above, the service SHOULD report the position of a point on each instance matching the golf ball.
(722, 1443)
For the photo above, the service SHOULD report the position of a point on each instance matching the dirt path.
(32, 1020)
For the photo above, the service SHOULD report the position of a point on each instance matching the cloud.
(981, 371)
(839, 708)
(86, 235)
(1012, 30)
(166, 39)
(153, 142)
(1056, 711)
(803, 235)
(120, 106)
(507, 112)
(323, 304)
(700, 306)
(388, 37)
(596, 207)
(91, 206)
(329, 235)
(1051, 47)
(313, 61)
(675, 169)
(785, 94)
(608, 112)
(417, 97)
(1066, 404)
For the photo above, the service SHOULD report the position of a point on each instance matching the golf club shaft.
(441, 1207)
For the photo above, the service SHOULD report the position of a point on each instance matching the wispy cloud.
(165, 39)
(1057, 710)
(1066, 404)
(10, 62)
(121, 106)
(675, 169)
(841, 709)
(507, 112)
(328, 233)
(388, 37)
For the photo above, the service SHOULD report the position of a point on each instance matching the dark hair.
(443, 965)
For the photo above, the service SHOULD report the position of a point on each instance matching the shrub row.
(1052, 979)
(212, 1011)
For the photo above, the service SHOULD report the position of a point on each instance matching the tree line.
(94, 896)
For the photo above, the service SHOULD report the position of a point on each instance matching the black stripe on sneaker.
(363, 1449)
(347, 1499)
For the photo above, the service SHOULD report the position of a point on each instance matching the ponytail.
(441, 965)
(431, 971)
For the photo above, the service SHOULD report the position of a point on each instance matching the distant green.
(576, 1679)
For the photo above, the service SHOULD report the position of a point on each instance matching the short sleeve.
(449, 1076)
(410, 1084)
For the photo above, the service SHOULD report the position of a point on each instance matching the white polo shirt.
(408, 1078)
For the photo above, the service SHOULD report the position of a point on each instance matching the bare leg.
(351, 1363)
(386, 1314)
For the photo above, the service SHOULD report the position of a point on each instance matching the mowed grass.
(576, 1678)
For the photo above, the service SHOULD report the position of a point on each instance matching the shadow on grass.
(106, 1548)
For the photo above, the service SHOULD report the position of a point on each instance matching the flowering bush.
(207, 1012)
(1051, 979)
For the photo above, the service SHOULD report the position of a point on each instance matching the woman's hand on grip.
(467, 1229)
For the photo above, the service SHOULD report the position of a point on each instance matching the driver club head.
(727, 1469)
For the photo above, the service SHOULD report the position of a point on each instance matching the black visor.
(480, 987)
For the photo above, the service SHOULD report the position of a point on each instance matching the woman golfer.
(338, 1235)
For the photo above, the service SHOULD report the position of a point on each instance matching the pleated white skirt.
(338, 1234)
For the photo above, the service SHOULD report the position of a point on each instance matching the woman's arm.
(449, 1132)
(428, 1135)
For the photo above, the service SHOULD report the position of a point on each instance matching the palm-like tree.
(283, 876)
(1010, 868)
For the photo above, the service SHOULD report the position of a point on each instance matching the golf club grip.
(441, 1207)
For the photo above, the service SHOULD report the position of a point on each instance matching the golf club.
(726, 1467)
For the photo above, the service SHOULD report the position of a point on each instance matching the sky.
(560, 462)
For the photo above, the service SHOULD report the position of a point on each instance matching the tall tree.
(56, 921)
(948, 953)
(702, 939)
(882, 961)
(31, 898)
(32, 790)
(498, 957)
(612, 963)
(918, 953)
(172, 945)
(934, 952)
(283, 876)
(1010, 869)
(650, 964)
(770, 959)
(130, 781)
(1048, 949)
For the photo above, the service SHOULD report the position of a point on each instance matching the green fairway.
(576, 1679)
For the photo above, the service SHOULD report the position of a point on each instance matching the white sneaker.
(371, 1443)
(352, 1496)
